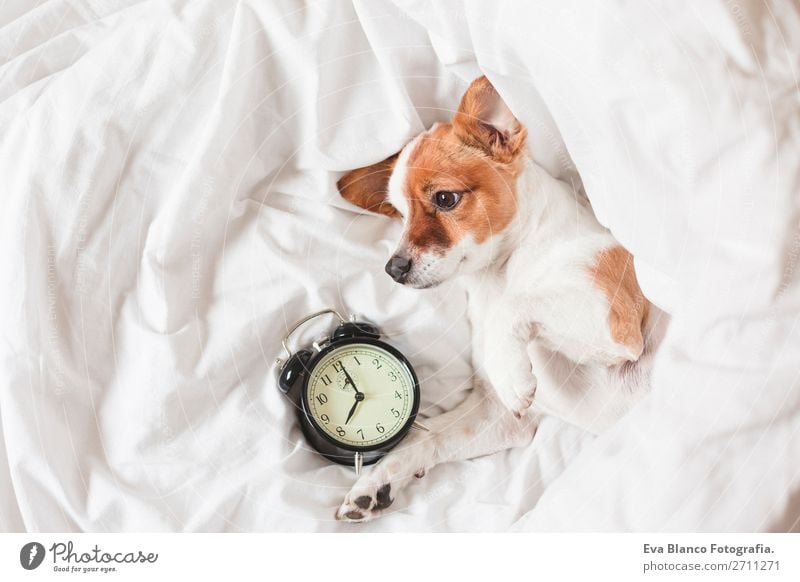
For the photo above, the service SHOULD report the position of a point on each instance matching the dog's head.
(453, 186)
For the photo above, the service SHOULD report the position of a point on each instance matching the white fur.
(533, 308)
(542, 305)
(398, 196)
(397, 181)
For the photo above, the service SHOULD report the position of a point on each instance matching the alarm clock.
(356, 396)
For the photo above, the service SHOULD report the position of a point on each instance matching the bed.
(170, 210)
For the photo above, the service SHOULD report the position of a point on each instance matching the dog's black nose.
(398, 267)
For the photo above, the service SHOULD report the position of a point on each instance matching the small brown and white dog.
(555, 307)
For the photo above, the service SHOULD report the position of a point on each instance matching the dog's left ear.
(369, 187)
(483, 120)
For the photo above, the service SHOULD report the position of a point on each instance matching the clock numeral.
(395, 413)
(340, 431)
(337, 365)
(322, 399)
(379, 428)
(377, 363)
(357, 360)
(397, 395)
(393, 376)
(326, 380)
(325, 418)
(361, 432)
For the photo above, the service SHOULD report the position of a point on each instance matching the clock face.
(360, 395)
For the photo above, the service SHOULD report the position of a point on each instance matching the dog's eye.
(444, 200)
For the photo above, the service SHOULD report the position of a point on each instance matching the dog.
(558, 319)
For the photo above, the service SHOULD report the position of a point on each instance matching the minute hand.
(350, 380)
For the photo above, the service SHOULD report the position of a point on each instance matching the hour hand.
(359, 398)
(352, 412)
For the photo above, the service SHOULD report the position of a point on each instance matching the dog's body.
(558, 319)
(544, 320)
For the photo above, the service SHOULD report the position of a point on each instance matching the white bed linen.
(169, 208)
(684, 120)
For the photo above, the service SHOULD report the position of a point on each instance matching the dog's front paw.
(512, 378)
(375, 491)
(516, 392)
(365, 503)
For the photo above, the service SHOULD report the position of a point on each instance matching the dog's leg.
(478, 426)
(506, 335)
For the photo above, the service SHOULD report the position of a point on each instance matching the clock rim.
(383, 445)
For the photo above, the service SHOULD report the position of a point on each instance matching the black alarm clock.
(356, 396)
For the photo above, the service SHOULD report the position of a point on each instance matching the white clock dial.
(379, 413)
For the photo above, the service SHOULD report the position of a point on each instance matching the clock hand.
(350, 380)
(352, 411)
(359, 394)
(359, 398)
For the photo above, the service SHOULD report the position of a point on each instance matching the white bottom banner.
(388, 557)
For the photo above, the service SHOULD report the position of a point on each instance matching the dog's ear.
(483, 120)
(369, 187)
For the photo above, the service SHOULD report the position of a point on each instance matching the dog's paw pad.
(350, 512)
(354, 515)
(420, 473)
(383, 498)
(363, 502)
(367, 506)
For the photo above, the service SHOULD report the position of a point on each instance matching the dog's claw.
(523, 404)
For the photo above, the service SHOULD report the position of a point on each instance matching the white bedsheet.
(169, 208)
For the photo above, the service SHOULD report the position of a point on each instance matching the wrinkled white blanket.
(169, 209)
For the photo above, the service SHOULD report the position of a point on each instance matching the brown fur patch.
(368, 187)
(614, 274)
(441, 161)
